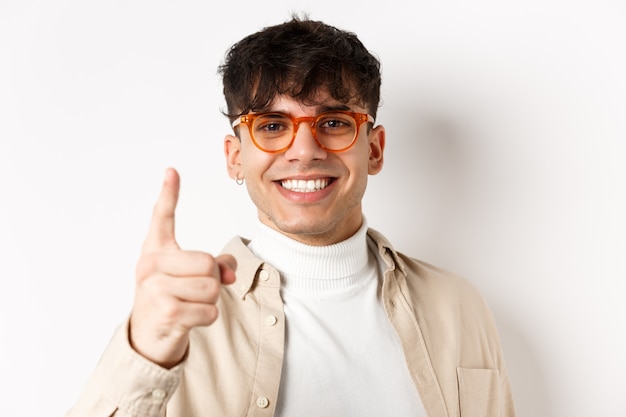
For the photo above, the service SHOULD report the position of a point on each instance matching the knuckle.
(205, 290)
(208, 286)
(171, 310)
(207, 263)
(211, 290)
(210, 314)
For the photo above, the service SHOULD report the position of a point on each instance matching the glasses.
(334, 131)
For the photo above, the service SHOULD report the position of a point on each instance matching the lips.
(306, 186)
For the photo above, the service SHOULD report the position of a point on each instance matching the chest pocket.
(479, 392)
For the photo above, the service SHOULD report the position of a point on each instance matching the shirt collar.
(249, 265)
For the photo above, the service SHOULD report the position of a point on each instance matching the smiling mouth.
(306, 186)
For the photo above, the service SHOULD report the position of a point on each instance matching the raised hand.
(176, 290)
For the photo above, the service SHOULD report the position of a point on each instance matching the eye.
(272, 124)
(332, 123)
(271, 127)
(335, 122)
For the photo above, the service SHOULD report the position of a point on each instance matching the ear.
(232, 152)
(377, 149)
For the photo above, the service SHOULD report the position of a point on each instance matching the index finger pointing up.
(161, 233)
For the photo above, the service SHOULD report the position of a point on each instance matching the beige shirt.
(233, 367)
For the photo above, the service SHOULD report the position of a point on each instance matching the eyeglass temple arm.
(236, 122)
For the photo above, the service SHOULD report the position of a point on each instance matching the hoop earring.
(238, 180)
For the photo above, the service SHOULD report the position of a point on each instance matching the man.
(318, 314)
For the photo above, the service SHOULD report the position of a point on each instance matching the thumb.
(161, 233)
(228, 266)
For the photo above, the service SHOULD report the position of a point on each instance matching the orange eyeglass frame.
(359, 119)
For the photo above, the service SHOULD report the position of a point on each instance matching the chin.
(312, 233)
(300, 228)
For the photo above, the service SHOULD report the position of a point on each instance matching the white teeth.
(304, 186)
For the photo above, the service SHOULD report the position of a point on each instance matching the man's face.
(326, 215)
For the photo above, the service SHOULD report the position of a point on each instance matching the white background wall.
(506, 127)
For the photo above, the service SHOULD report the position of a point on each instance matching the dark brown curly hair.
(299, 58)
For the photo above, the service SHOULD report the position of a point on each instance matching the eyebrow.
(321, 109)
(333, 107)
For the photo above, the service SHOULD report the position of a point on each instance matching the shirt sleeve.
(125, 384)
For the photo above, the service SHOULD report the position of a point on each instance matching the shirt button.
(158, 394)
(262, 402)
(264, 275)
(271, 320)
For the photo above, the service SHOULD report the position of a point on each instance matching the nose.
(304, 147)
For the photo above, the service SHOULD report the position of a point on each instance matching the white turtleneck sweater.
(342, 357)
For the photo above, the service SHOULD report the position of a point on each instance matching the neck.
(296, 259)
